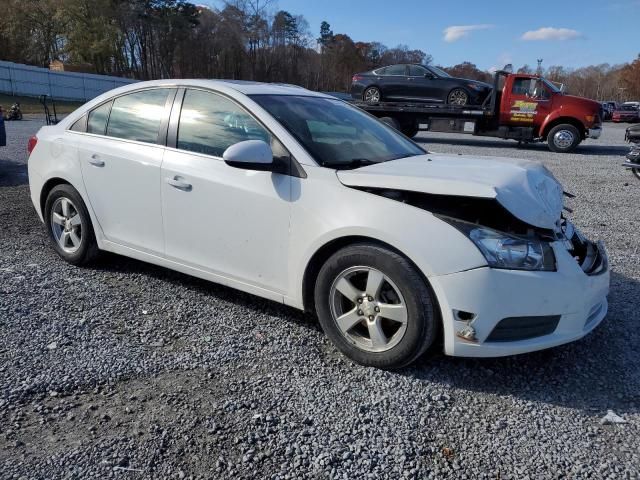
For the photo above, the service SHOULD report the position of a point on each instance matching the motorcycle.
(14, 112)
(633, 157)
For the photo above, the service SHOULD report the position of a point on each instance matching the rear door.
(394, 83)
(120, 157)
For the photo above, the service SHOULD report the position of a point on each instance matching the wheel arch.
(48, 186)
(554, 122)
(323, 253)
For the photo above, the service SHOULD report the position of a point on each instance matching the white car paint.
(257, 231)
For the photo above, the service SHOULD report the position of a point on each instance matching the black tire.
(563, 138)
(87, 251)
(458, 96)
(19, 116)
(636, 172)
(410, 130)
(372, 95)
(422, 322)
(392, 122)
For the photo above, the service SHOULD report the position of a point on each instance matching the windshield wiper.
(353, 163)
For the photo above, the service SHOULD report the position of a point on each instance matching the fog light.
(467, 333)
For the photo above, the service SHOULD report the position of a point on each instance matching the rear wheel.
(636, 172)
(458, 96)
(563, 138)
(69, 225)
(375, 307)
(372, 95)
(410, 130)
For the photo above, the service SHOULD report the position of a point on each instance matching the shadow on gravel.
(599, 372)
(584, 149)
(109, 262)
(12, 174)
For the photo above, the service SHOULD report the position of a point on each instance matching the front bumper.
(492, 295)
(594, 132)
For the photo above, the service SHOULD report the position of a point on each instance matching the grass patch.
(32, 104)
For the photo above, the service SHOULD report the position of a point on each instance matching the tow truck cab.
(534, 102)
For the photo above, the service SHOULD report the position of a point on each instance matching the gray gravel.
(131, 371)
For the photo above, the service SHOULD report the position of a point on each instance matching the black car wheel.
(636, 172)
(458, 96)
(372, 95)
(392, 122)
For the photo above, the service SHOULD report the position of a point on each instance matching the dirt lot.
(127, 370)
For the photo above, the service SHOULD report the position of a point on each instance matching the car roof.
(246, 87)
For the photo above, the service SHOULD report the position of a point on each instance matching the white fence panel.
(17, 79)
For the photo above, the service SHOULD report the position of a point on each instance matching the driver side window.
(210, 123)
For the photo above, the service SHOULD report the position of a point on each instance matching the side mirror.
(250, 155)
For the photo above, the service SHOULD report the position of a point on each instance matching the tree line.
(244, 39)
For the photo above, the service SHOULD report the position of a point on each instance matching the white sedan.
(303, 199)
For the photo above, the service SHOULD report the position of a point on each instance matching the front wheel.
(458, 96)
(375, 307)
(563, 138)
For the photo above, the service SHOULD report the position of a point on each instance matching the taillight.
(356, 78)
(31, 144)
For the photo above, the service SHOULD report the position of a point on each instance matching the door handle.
(179, 183)
(95, 160)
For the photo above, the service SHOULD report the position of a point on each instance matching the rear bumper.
(493, 295)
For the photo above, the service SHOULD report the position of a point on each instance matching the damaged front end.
(507, 243)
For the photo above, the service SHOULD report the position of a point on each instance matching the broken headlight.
(503, 250)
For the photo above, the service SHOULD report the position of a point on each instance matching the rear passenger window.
(396, 70)
(210, 123)
(137, 116)
(97, 121)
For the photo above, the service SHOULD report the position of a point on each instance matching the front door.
(224, 220)
(529, 103)
(120, 159)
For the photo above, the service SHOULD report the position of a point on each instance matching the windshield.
(336, 134)
(438, 71)
(552, 86)
(628, 108)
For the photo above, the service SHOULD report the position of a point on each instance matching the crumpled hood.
(526, 189)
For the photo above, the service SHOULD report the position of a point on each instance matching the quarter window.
(137, 116)
(211, 123)
(97, 121)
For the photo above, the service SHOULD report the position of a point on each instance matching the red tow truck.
(522, 107)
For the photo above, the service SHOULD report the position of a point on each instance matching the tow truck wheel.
(636, 172)
(392, 122)
(563, 138)
(410, 130)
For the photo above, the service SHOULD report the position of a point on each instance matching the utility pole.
(539, 69)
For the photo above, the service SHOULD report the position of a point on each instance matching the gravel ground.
(126, 370)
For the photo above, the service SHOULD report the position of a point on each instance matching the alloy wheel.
(372, 95)
(66, 225)
(368, 309)
(458, 97)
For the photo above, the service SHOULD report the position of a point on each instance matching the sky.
(489, 33)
